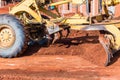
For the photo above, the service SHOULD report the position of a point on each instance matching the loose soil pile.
(81, 43)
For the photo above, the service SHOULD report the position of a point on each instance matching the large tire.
(12, 36)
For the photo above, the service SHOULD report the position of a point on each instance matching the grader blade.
(108, 52)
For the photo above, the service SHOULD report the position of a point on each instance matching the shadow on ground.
(65, 44)
(32, 49)
(115, 58)
(78, 40)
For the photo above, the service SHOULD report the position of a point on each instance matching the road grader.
(33, 21)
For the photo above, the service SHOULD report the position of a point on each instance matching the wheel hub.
(7, 37)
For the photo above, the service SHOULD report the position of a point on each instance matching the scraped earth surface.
(78, 57)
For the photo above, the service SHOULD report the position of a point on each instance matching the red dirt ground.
(78, 57)
(73, 58)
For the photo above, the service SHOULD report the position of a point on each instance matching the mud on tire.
(12, 36)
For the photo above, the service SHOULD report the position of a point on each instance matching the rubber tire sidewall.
(16, 25)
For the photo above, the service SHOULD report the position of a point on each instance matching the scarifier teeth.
(54, 38)
(68, 32)
(61, 35)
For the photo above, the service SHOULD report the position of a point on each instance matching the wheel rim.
(7, 36)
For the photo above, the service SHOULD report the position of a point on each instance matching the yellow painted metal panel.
(78, 1)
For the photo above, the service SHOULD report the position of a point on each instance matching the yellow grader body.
(31, 20)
